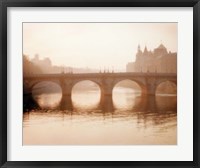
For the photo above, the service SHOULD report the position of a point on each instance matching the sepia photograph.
(99, 83)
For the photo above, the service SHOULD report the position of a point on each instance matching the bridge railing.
(101, 74)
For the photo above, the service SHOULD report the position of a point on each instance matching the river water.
(130, 120)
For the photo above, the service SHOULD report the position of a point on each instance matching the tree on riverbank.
(29, 67)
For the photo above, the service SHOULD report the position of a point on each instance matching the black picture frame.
(4, 4)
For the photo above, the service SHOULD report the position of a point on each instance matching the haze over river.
(130, 120)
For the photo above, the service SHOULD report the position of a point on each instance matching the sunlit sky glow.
(95, 45)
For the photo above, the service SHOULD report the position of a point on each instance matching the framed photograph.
(99, 83)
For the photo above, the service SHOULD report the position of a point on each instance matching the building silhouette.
(47, 67)
(158, 60)
(45, 64)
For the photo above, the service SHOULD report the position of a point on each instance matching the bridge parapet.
(127, 74)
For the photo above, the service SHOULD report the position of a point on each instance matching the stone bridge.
(106, 82)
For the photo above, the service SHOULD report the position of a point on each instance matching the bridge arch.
(47, 94)
(31, 84)
(126, 83)
(166, 86)
(86, 94)
(89, 80)
(166, 80)
(125, 92)
(139, 83)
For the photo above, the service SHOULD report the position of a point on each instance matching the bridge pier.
(106, 103)
(66, 101)
(149, 89)
(147, 104)
(150, 103)
(106, 92)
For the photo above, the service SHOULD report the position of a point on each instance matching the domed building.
(160, 60)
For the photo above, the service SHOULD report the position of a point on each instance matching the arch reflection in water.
(157, 110)
(150, 121)
(155, 104)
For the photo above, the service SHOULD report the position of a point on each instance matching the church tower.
(139, 52)
(145, 53)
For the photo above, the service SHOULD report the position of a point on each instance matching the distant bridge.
(106, 81)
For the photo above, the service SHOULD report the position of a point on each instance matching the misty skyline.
(95, 45)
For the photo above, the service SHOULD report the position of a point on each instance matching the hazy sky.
(95, 45)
